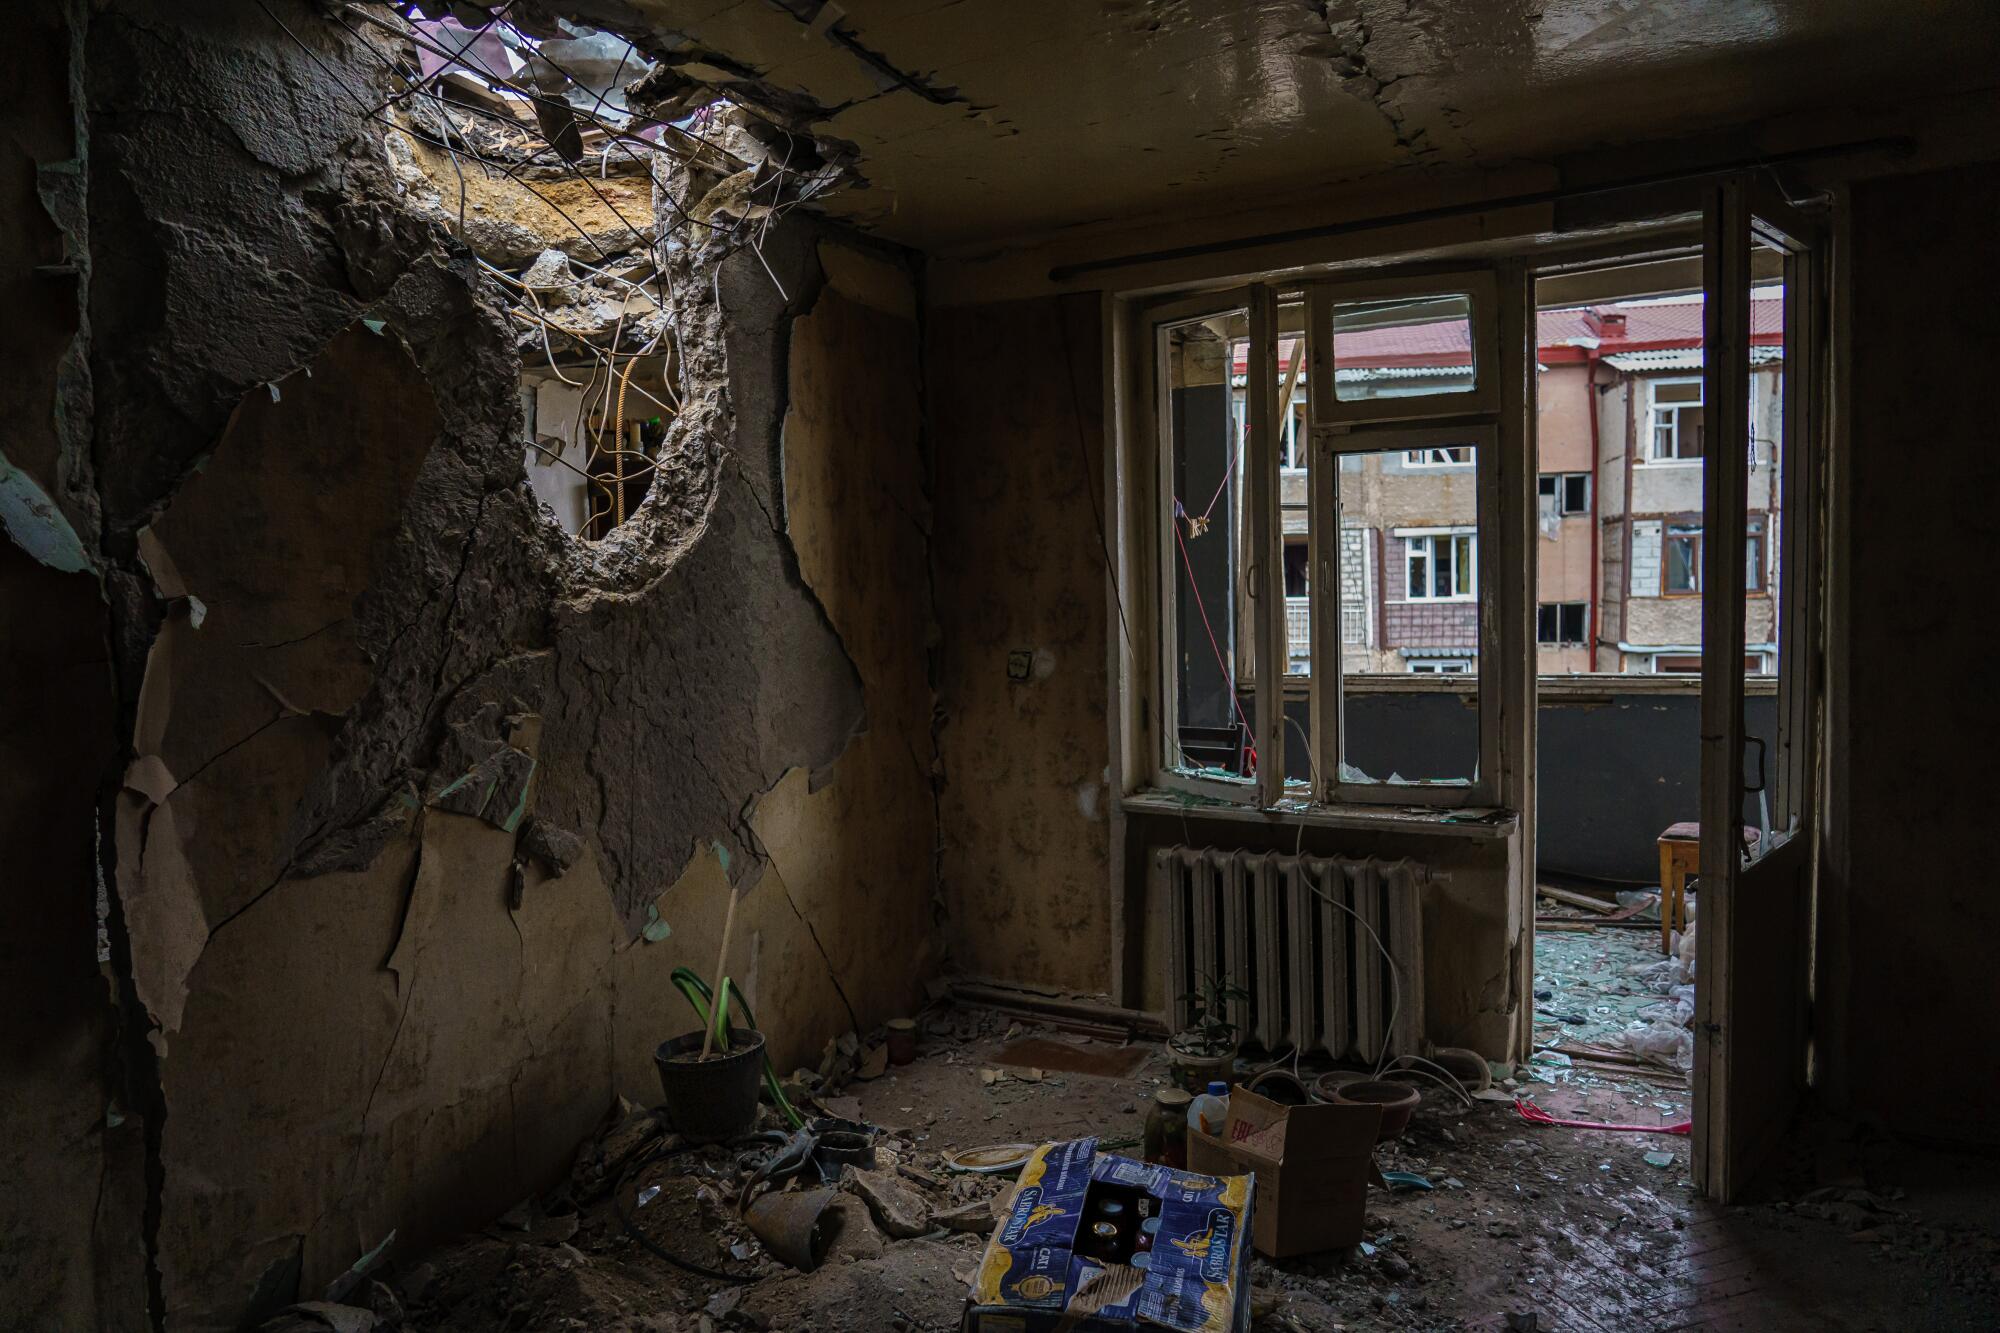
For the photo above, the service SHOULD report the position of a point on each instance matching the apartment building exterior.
(1641, 363)
(1621, 434)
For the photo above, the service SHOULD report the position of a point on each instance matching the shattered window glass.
(1213, 733)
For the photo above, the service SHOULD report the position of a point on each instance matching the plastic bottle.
(1208, 1111)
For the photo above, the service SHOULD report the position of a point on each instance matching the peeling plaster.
(410, 768)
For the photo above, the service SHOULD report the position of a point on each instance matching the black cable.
(686, 1265)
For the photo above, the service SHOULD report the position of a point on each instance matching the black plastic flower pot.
(712, 1100)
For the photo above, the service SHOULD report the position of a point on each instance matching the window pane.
(1690, 432)
(1426, 520)
(1295, 569)
(1545, 623)
(1574, 621)
(1210, 643)
(1683, 570)
(1404, 348)
(1576, 492)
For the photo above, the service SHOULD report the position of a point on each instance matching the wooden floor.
(1717, 1277)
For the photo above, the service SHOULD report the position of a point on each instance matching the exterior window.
(1403, 347)
(1689, 664)
(1753, 554)
(1680, 568)
(1441, 567)
(1576, 493)
(1440, 666)
(1295, 569)
(1293, 441)
(1564, 492)
(1298, 610)
(1449, 456)
(1562, 623)
(1675, 411)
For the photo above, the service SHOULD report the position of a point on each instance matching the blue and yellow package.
(1196, 1278)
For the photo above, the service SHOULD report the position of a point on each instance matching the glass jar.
(1166, 1128)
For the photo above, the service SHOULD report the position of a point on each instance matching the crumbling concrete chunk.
(899, 1210)
(554, 846)
(976, 1217)
(549, 278)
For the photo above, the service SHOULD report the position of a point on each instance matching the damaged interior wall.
(415, 800)
(1016, 404)
(70, 1247)
(72, 1167)
(1016, 410)
(1906, 913)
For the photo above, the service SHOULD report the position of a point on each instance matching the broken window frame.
(1416, 425)
(1256, 471)
(1480, 416)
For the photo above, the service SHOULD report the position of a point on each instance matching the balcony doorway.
(1621, 431)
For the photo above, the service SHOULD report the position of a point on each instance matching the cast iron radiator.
(1313, 975)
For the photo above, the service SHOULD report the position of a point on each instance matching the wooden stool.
(1680, 856)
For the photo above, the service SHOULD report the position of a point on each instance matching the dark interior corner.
(1049, 552)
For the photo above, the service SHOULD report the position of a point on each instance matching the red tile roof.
(1649, 326)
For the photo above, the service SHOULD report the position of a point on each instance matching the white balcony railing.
(1298, 634)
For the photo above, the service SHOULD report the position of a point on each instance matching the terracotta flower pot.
(1397, 1100)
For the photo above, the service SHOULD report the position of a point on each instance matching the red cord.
(1535, 1115)
(1215, 647)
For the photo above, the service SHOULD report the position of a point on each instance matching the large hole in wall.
(591, 178)
(595, 421)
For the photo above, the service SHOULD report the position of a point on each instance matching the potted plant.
(1205, 1050)
(710, 1076)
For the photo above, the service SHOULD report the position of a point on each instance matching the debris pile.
(1481, 1219)
(598, 184)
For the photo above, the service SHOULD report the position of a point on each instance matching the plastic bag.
(1668, 1044)
(1646, 900)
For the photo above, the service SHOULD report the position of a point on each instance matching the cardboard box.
(1033, 1279)
(1312, 1165)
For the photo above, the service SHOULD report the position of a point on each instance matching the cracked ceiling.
(975, 123)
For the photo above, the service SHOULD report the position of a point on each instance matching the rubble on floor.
(1604, 995)
(1575, 1229)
